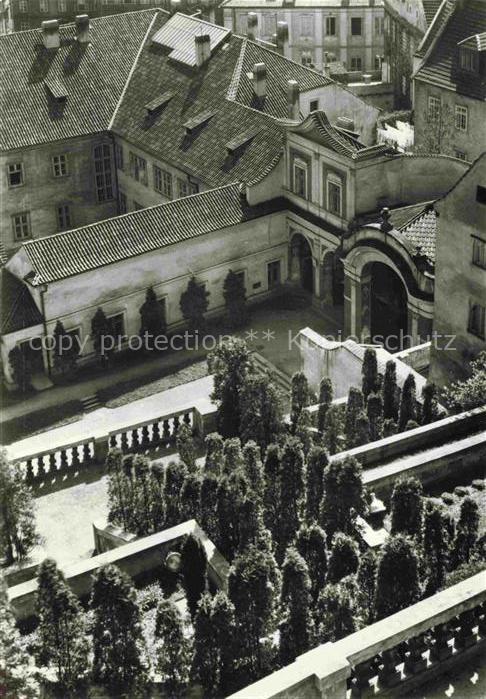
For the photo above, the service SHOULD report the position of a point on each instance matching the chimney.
(293, 100)
(50, 34)
(82, 29)
(283, 37)
(202, 44)
(252, 24)
(260, 79)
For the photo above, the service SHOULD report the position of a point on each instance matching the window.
(59, 165)
(313, 105)
(63, 217)
(119, 161)
(460, 154)
(434, 108)
(269, 23)
(185, 188)
(481, 194)
(356, 26)
(477, 317)
(306, 58)
(379, 23)
(23, 6)
(334, 195)
(104, 180)
(273, 273)
(300, 179)
(461, 117)
(379, 63)
(117, 326)
(330, 26)
(469, 60)
(356, 63)
(44, 5)
(138, 168)
(122, 203)
(15, 173)
(163, 182)
(62, 6)
(307, 25)
(21, 225)
(479, 253)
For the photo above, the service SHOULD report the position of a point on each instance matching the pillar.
(294, 262)
(317, 278)
(327, 270)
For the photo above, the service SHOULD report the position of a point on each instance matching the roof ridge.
(235, 78)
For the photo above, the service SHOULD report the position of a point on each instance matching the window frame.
(477, 324)
(60, 166)
(64, 217)
(461, 118)
(27, 224)
(9, 173)
(353, 20)
(138, 168)
(333, 180)
(109, 318)
(119, 157)
(122, 202)
(479, 252)
(330, 22)
(433, 112)
(104, 181)
(356, 59)
(274, 264)
(316, 107)
(303, 167)
(468, 60)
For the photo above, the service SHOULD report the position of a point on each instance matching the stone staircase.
(263, 365)
(90, 403)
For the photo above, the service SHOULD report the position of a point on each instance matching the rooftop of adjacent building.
(302, 4)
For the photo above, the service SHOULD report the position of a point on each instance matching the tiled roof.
(92, 76)
(298, 4)
(441, 66)
(430, 9)
(18, 309)
(90, 247)
(178, 35)
(440, 19)
(477, 42)
(421, 232)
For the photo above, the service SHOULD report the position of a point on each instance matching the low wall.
(137, 559)
(417, 357)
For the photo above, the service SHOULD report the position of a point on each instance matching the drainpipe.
(43, 291)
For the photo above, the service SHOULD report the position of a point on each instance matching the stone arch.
(301, 266)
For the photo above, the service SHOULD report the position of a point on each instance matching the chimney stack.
(293, 100)
(202, 44)
(283, 37)
(260, 79)
(82, 29)
(252, 24)
(50, 34)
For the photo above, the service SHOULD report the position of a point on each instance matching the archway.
(388, 315)
(301, 266)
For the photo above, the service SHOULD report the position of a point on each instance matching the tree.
(374, 408)
(470, 393)
(300, 396)
(317, 461)
(61, 630)
(213, 463)
(369, 373)
(326, 395)
(336, 613)
(303, 431)
(466, 531)
(234, 294)
(333, 430)
(390, 427)
(271, 491)
(231, 365)
(208, 510)
(173, 648)
(232, 491)
(66, 350)
(253, 469)
(17, 667)
(204, 668)
(408, 403)
(118, 644)
(175, 474)
(296, 632)
(390, 390)
(223, 629)
(254, 586)
(430, 407)
(21, 367)
(190, 501)
(366, 581)
(354, 407)
(407, 508)
(362, 432)
(18, 533)
(232, 455)
(344, 558)
(194, 304)
(310, 542)
(152, 315)
(291, 495)
(194, 564)
(398, 577)
(100, 329)
(435, 131)
(261, 411)
(436, 546)
(343, 498)
(185, 447)
(118, 496)
(251, 528)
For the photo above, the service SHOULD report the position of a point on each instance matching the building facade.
(450, 82)
(350, 32)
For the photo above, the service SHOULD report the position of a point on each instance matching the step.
(90, 403)
(263, 365)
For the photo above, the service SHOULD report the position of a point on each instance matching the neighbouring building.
(460, 290)
(450, 82)
(405, 27)
(263, 182)
(346, 31)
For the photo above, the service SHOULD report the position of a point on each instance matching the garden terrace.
(392, 656)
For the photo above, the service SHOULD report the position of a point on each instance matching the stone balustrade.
(392, 656)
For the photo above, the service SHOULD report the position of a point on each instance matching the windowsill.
(16, 186)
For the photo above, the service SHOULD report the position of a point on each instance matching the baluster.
(165, 433)
(75, 462)
(113, 442)
(481, 615)
(187, 419)
(52, 463)
(64, 460)
(175, 426)
(465, 636)
(29, 472)
(441, 650)
(389, 676)
(124, 442)
(41, 469)
(155, 433)
(145, 437)
(135, 440)
(86, 454)
(361, 680)
(416, 663)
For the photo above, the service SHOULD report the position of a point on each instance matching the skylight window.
(240, 141)
(198, 121)
(56, 89)
(159, 102)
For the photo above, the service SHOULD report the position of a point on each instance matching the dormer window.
(469, 60)
(300, 178)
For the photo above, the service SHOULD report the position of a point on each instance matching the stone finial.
(385, 225)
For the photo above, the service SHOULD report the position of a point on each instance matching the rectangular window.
(313, 105)
(334, 196)
(193, 188)
(477, 318)
(63, 217)
(138, 168)
(23, 6)
(117, 326)
(185, 188)
(59, 165)
(356, 63)
(241, 276)
(119, 160)
(461, 117)
(434, 108)
(356, 26)
(481, 194)
(62, 6)
(103, 175)
(21, 225)
(300, 179)
(379, 23)
(163, 182)
(479, 253)
(469, 60)
(306, 58)
(379, 63)
(122, 203)
(15, 173)
(44, 5)
(307, 25)
(330, 26)
(273, 273)
(460, 154)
